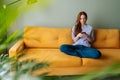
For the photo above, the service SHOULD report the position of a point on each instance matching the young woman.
(83, 37)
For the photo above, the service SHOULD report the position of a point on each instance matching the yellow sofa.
(42, 44)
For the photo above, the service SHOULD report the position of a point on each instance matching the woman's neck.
(83, 25)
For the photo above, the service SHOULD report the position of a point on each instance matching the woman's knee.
(63, 47)
(97, 54)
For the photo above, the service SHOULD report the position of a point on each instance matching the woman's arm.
(78, 36)
(87, 37)
(75, 38)
(83, 35)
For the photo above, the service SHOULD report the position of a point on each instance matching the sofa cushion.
(109, 57)
(106, 38)
(51, 56)
(44, 37)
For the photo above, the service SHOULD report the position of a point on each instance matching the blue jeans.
(80, 51)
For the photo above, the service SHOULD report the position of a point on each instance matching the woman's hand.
(88, 37)
(83, 34)
(78, 36)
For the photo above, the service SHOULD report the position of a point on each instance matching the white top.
(83, 41)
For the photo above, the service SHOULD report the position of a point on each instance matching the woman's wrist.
(77, 37)
(87, 36)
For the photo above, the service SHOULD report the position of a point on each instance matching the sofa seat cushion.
(69, 71)
(109, 57)
(51, 56)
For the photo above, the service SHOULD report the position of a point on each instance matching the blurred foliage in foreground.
(9, 11)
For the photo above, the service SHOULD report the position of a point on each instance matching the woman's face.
(83, 19)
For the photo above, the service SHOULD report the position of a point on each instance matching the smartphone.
(83, 32)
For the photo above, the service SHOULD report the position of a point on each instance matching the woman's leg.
(69, 49)
(87, 52)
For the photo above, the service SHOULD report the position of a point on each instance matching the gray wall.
(62, 13)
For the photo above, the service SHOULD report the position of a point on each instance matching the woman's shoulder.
(89, 26)
(73, 27)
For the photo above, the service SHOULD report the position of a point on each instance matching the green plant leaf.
(29, 2)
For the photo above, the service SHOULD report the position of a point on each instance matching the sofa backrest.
(44, 37)
(106, 38)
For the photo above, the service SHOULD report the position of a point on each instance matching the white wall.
(62, 13)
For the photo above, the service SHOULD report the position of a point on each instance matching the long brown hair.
(78, 28)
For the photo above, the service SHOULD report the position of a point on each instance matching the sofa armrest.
(16, 49)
